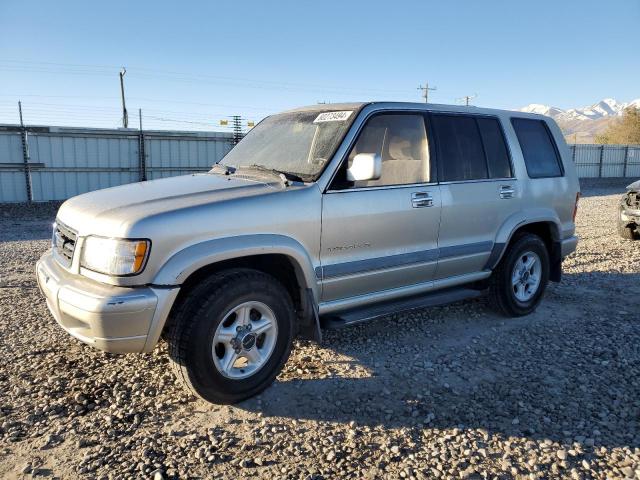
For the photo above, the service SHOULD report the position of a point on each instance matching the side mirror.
(365, 166)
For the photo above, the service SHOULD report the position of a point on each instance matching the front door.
(382, 234)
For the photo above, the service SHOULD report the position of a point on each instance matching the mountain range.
(581, 125)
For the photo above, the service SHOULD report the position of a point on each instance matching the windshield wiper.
(286, 177)
(227, 169)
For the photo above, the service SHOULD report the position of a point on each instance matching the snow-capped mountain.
(582, 125)
(542, 109)
(607, 107)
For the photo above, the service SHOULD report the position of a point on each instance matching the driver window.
(401, 142)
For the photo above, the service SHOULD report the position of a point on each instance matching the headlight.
(113, 256)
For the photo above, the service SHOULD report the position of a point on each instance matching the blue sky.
(190, 64)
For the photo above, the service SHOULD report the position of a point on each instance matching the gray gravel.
(451, 392)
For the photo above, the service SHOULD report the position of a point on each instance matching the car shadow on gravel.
(567, 373)
(21, 231)
(24, 222)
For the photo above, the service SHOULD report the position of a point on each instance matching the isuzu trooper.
(321, 217)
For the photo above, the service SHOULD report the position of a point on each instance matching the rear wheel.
(231, 335)
(519, 281)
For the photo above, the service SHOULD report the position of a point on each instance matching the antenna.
(426, 89)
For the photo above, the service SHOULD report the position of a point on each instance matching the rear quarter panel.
(543, 199)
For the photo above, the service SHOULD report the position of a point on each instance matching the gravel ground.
(450, 392)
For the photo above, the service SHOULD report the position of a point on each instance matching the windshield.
(297, 143)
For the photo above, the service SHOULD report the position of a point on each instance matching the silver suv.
(323, 216)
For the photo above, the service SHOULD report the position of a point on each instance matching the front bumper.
(110, 318)
(629, 216)
(568, 246)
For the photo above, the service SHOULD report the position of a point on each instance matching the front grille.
(633, 200)
(64, 243)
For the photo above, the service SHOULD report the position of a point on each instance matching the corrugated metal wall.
(169, 156)
(64, 162)
(13, 187)
(80, 163)
(603, 161)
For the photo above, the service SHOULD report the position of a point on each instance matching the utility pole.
(466, 98)
(125, 115)
(20, 113)
(426, 89)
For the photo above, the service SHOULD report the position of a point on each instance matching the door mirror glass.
(365, 166)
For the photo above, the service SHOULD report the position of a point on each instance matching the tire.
(626, 231)
(211, 311)
(518, 300)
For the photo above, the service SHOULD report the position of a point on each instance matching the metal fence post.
(600, 166)
(142, 158)
(25, 156)
(626, 160)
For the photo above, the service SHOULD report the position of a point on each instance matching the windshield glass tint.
(300, 143)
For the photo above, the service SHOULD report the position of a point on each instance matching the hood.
(635, 186)
(114, 209)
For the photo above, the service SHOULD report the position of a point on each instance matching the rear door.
(478, 189)
(382, 234)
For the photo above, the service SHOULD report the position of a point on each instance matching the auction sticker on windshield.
(333, 116)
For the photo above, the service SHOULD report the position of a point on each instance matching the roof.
(328, 106)
(414, 106)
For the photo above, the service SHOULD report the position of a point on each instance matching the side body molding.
(517, 220)
(182, 264)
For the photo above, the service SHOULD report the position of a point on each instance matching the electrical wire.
(143, 72)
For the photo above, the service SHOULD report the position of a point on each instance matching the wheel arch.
(185, 262)
(281, 257)
(547, 227)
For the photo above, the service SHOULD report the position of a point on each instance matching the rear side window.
(494, 148)
(459, 148)
(538, 148)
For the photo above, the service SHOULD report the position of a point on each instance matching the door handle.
(421, 199)
(507, 191)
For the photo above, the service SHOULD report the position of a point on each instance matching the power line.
(143, 99)
(85, 69)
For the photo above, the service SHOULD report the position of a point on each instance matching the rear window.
(494, 148)
(538, 148)
(458, 148)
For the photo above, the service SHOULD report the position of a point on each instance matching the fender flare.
(516, 221)
(182, 264)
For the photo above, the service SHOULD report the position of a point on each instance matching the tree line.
(625, 130)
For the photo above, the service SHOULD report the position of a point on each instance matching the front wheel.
(519, 281)
(231, 335)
